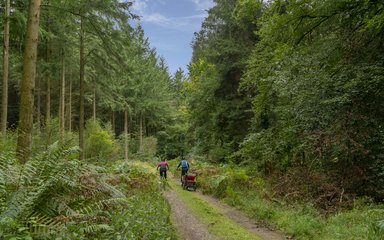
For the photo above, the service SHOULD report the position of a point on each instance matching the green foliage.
(100, 144)
(217, 105)
(50, 133)
(7, 144)
(150, 149)
(54, 197)
(172, 141)
(222, 185)
(28, 187)
(376, 230)
(316, 81)
(257, 199)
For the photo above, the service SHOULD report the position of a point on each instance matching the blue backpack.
(184, 164)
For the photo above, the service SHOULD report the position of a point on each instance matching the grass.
(300, 220)
(306, 222)
(218, 224)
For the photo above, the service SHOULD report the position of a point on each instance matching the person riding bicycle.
(184, 168)
(163, 165)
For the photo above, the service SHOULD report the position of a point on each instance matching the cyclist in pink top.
(163, 165)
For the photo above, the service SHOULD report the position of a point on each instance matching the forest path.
(189, 227)
(192, 227)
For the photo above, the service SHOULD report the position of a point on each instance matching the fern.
(38, 179)
(53, 195)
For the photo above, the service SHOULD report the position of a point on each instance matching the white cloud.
(140, 6)
(157, 18)
(143, 9)
(203, 5)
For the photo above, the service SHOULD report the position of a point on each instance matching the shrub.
(99, 142)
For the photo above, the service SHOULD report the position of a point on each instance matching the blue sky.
(170, 24)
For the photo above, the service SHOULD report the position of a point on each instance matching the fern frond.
(103, 205)
(39, 178)
(43, 224)
(82, 218)
(93, 229)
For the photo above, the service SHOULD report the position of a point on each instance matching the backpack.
(184, 164)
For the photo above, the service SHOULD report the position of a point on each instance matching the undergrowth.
(302, 220)
(55, 196)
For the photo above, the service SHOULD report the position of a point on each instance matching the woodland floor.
(190, 228)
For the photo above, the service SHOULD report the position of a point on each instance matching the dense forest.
(292, 84)
(290, 92)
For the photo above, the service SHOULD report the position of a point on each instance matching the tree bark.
(4, 106)
(126, 143)
(81, 114)
(62, 99)
(113, 122)
(94, 101)
(141, 148)
(48, 86)
(24, 140)
(70, 105)
(48, 72)
(38, 107)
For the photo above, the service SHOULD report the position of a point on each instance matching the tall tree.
(62, 98)
(82, 88)
(4, 106)
(48, 73)
(24, 140)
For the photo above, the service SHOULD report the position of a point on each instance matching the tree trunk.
(81, 114)
(94, 101)
(24, 140)
(141, 148)
(4, 109)
(126, 143)
(38, 107)
(70, 105)
(113, 122)
(4, 106)
(62, 99)
(48, 71)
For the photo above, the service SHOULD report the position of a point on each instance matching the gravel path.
(190, 228)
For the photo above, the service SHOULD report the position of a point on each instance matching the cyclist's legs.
(163, 173)
(183, 172)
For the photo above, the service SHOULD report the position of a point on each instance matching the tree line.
(278, 85)
(77, 60)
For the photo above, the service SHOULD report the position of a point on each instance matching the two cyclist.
(164, 166)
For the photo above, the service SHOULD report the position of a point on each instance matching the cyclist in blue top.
(184, 168)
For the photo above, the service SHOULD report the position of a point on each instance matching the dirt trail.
(190, 228)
